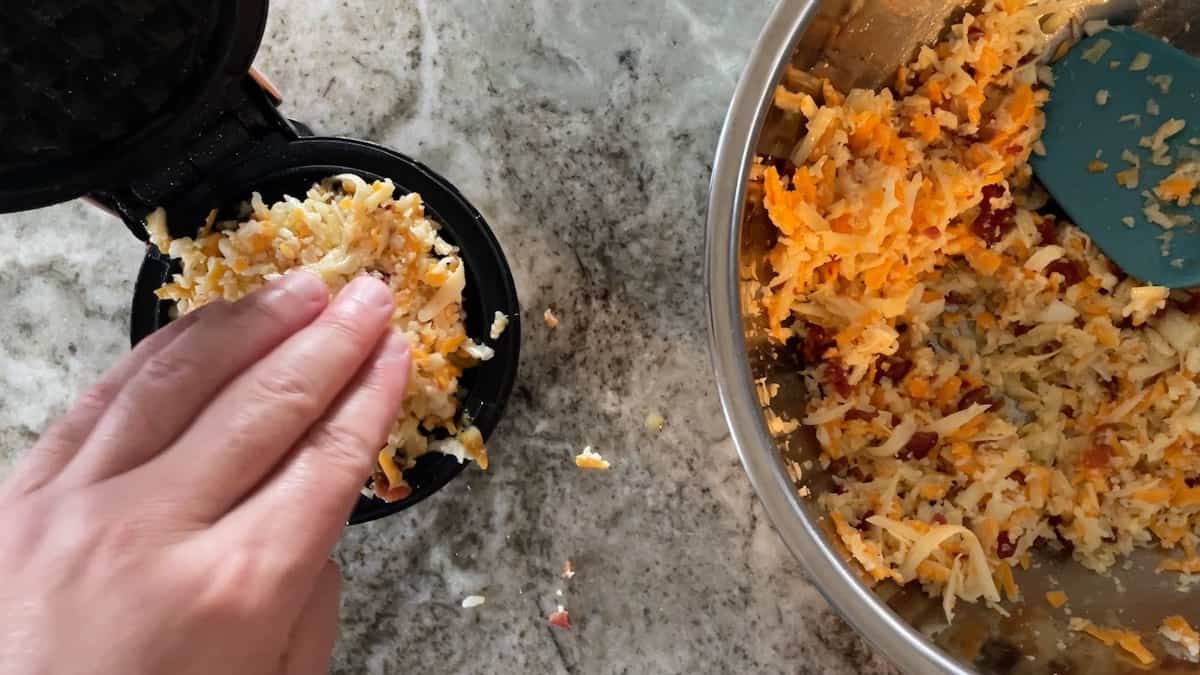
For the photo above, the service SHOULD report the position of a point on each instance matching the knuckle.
(232, 589)
(163, 366)
(345, 446)
(292, 388)
(98, 396)
(345, 327)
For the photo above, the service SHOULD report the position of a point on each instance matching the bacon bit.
(838, 467)
(1018, 476)
(1056, 598)
(1191, 305)
(991, 225)
(1004, 547)
(1097, 457)
(835, 375)
(1048, 230)
(816, 341)
(862, 523)
(932, 232)
(560, 619)
(388, 492)
(783, 165)
(860, 414)
(939, 519)
(974, 32)
(1069, 270)
(892, 367)
(980, 396)
(919, 445)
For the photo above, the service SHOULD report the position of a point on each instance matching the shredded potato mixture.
(343, 228)
(982, 381)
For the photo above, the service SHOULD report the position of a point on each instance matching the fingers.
(316, 629)
(63, 439)
(174, 384)
(314, 490)
(242, 435)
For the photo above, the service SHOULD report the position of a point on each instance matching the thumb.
(316, 629)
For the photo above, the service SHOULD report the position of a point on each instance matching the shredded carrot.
(1056, 598)
(984, 261)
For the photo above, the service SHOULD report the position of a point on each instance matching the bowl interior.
(484, 390)
(860, 45)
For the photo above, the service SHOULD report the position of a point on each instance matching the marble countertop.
(584, 132)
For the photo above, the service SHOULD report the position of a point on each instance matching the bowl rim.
(834, 578)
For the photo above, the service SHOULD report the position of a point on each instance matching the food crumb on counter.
(560, 619)
(473, 601)
(1101, 97)
(1176, 629)
(499, 324)
(568, 570)
(654, 422)
(590, 459)
(1140, 62)
(550, 319)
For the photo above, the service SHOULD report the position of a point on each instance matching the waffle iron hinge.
(248, 123)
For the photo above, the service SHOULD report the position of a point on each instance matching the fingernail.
(366, 291)
(304, 286)
(297, 289)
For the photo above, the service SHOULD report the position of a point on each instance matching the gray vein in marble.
(583, 131)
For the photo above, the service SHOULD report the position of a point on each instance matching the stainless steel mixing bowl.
(860, 43)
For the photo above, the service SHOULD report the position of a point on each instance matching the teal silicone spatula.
(1112, 95)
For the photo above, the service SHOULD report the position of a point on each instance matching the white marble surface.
(583, 131)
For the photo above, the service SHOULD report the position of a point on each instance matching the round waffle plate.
(292, 169)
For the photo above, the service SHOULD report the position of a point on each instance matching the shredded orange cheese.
(1056, 598)
(1128, 640)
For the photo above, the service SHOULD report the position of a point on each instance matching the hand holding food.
(180, 518)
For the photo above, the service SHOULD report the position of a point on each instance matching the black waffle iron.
(137, 104)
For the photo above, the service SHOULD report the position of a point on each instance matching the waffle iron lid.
(96, 92)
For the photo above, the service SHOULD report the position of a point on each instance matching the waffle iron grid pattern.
(78, 74)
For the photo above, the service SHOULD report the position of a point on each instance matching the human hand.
(180, 517)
